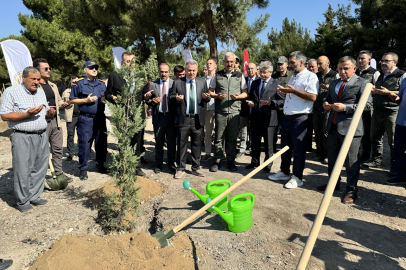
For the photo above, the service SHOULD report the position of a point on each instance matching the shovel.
(51, 166)
(162, 237)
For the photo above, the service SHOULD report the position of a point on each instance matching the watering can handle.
(220, 181)
(241, 196)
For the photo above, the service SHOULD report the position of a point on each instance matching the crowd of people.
(303, 96)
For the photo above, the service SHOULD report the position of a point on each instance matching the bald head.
(323, 63)
(252, 70)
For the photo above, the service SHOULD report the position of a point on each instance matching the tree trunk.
(211, 34)
(160, 48)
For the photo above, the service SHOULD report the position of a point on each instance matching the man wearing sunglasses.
(54, 128)
(89, 93)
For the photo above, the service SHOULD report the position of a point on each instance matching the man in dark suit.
(162, 118)
(189, 94)
(114, 86)
(342, 100)
(264, 99)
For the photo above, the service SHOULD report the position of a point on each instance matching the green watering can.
(239, 215)
(213, 189)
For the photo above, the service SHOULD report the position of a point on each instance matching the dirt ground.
(368, 235)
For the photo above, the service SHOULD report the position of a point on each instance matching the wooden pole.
(307, 251)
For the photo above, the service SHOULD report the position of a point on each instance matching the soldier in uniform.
(89, 93)
(283, 75)
(227, 87)
(370, 74)
(385, 110)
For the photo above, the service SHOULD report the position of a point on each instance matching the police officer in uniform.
(89, 93)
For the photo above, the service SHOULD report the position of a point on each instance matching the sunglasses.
(93, 67)
(46, 69)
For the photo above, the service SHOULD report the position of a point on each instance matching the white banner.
(187, 55)
(117, 52)
(17, 58)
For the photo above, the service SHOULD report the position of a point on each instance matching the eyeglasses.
(93, 67)
(385, 61)
(48, 68)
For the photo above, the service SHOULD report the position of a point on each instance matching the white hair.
(191, 62)
(228, 54)
(266, 65)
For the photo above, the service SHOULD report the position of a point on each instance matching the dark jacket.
(155, 86)
(245, 109)
(322, 93)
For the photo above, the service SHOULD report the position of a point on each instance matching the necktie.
(340, 92)
(191, 99)
(262, 88)
(164, 97)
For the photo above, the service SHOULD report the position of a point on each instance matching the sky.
(307, 13)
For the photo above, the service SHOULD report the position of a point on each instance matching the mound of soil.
(116, 252)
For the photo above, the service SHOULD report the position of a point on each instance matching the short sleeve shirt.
(304, 81)
(83, 89)
(18, 99)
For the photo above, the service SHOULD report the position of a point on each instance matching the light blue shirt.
(260, 86)
(18, 99)
(187, 95)
(401, 118)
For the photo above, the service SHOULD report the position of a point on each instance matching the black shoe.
(323, 187)
(101, 169)
(141, 173)
(239, 155)
(69, 158)
(205, 157)
(266, 170)
(39, 202)
(172, 167)
(215, 167)
(394, 181)
(158, 169)
(83, 175)
(143, 161)
(24, 208)
(372, 164)
(251, 166)
(4, 264)
(231, 166)
(393, 172)
(224, 158)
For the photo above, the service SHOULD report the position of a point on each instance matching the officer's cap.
(91, 63)
(282, 60)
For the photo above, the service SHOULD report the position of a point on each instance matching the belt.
(294, 115)
(38, 132)
(164, 113)
(90, 115)
(190, 115)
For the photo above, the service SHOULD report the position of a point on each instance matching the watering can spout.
(203, 198)
(228, 217)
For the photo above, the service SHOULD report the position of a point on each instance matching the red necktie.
(340, 92)
(164, 96)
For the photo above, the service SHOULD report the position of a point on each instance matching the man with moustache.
(190, 95)
(312, 65)
(227, 87)
(26, 111)
(301, 92)
(385, 110)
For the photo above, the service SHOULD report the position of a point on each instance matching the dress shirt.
(401, 118)
(18, 99)
(161, 84)
(338, 85)
(187, 95)
(250, 80)
(211, 104)
(305, 81)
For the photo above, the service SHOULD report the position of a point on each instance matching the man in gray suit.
(162, 118)
(190, 95)
(342, 100)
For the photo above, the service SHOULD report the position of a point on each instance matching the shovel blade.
(161, 238)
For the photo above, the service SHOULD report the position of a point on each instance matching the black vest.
(322, 93)
(368, 74)
(392, 83)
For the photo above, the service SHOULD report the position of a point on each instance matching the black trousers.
(280, 115)
(71, 128)
(259, 131)
(320, 119)
(164, 129)
(137, 140)
(352, 161)
(189, 127)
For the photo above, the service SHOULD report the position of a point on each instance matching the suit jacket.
(114, 86)
(350, 98)
(266, 114)
(179, 87)
(155, 85)
(245, 109)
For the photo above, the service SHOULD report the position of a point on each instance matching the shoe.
(294, 182)
(325, 161)
(350, 198)
(101, 169)
(251, 166)
(69, 158)
(394, 181)
(239, 155)
(372, 164)
(39, 202)
(392, 172)
(215, 167)
(172, 167)
(179, 174)
(25, 208)
(141, 173)
(323, 187)
(199, 173)
(143, 160)
(63, 177)
(231, 166)
(266, 170)
(4, 264)
(206, 157)
(279, 176)
(83, 175)
(158, 169)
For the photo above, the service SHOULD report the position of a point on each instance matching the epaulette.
(77, 81)
(80, 79)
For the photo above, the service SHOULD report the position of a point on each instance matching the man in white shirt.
(301, 92)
